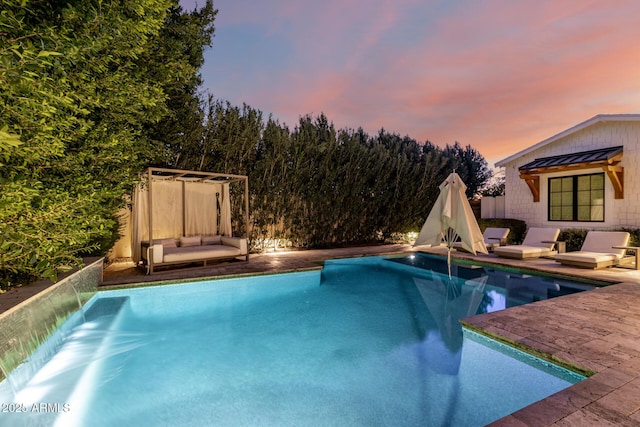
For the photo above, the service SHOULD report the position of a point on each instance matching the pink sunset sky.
(499, 75)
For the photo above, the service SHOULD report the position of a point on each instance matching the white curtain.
(200, 209)
(225, 212)
(167, 208)
(199, 206)
(167, 214)
(139, 221)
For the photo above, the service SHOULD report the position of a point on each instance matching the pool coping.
(595, 332)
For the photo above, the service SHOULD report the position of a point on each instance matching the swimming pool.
(365, 341)
(505, 287)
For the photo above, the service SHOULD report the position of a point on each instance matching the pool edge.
(24, 327)
(519, 345)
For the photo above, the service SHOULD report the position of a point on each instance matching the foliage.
(180, 48)
(93, 92)
(317, 186)
(470, 165)
(495, 187)
(634, 239)
(517, 228)
(573, 238)
(80, 82)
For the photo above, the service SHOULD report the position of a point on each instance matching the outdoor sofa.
(493, 237)
(539, 242)
(597, 251)
(185, 250)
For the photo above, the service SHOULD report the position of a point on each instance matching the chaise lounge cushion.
(522, 251)
(493, 237)
(535, 245)
(193, 249)
(597, 250)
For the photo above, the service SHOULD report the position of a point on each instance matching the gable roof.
(600, 118)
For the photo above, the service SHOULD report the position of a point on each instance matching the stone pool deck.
(596, 331)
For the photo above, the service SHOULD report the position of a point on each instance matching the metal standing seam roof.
(600, 155)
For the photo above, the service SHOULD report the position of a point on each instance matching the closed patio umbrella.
(451, 217)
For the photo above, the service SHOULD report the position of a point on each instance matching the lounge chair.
(597, 250)
(493, 237)
(538, 242)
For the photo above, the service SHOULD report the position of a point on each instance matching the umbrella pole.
(451, 236)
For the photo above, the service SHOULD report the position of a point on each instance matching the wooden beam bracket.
(533, 182)
(616, 176)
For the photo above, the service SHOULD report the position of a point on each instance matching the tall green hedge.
(81, 84)
(517, 228)
(317, 186)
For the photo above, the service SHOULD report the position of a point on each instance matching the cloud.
(498, 75)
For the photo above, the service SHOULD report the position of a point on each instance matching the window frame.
(574, 204)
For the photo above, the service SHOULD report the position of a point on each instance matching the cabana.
(182, 216)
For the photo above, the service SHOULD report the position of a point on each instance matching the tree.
(470, 165)
(495, 187)
(317, 186)
(81, 81)
(179, 51)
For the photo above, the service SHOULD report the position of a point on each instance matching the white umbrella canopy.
(451, 217)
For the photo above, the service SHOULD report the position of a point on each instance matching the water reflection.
(448, 300)
(512, 287)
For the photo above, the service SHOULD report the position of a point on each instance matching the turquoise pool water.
(364, 342)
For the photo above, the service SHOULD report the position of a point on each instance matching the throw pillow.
(211, 240)
(190, 241)
(167, 243)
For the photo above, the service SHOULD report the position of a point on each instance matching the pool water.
(504, 287)
(365, 341)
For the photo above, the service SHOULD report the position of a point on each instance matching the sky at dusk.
(499, 75)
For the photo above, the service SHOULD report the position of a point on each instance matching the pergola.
(193, 194)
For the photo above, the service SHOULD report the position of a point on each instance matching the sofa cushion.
(236, 242)
(211, 240)
(604, 241)
(198, 253)
(166, 243)
(190, 241)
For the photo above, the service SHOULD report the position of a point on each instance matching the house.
(587, 176)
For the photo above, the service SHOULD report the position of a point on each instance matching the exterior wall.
(618, 213)
(122, 247)
(492, 207)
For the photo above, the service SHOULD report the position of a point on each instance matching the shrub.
(573, 237)
(517, 227)
(635, 236)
